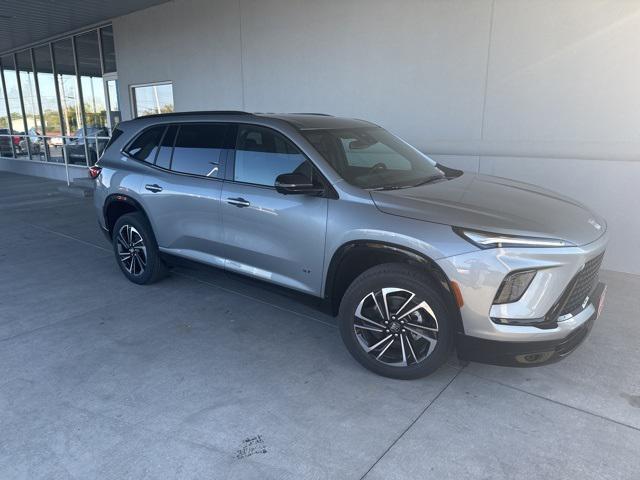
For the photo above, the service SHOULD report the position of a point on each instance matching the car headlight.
(513, 286)
(499, 240)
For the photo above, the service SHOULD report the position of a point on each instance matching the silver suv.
(415, 258)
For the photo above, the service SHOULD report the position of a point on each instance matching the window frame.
(224, 154)
(132, 95)
(231, 162)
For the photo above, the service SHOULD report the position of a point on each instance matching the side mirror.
(296, 184)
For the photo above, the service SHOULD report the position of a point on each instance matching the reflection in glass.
(46, 83)
(262, 155)
(4, 121)
(33, 143)
(153, 99)
(66, 78)
(114, 104)
(49, 103)
(108, 49)
(13, 96)
(5, 139)
(50, 106)
(95, 111)
(197, 149)
(29, 97)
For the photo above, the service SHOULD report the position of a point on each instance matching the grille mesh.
(582, 285)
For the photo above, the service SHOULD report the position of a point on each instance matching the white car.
(56, 141)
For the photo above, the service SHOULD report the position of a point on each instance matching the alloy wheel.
(395, 327)
(132, 251)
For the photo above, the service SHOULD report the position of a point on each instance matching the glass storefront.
(58, 101)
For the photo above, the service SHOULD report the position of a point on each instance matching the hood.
(496, 205)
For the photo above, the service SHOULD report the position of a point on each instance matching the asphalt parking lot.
(208, 375)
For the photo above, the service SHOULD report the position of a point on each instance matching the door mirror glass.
(296, 183)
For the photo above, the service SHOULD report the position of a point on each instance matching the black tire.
(154, 268)
(401, 280)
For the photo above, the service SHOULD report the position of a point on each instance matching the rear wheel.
(136, 249)
(393, 321)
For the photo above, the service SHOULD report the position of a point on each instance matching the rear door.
(182, 192)
(269, 235)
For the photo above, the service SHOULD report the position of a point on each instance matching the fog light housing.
(513, 286)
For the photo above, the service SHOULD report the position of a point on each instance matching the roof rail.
(200, 112)
(312, 113)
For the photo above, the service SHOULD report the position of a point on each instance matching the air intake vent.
(581, 285)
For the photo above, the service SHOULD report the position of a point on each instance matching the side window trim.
(173, 145)
(155, 157)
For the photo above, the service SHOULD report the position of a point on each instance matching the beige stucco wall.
(544, 91)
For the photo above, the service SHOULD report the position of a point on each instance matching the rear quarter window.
(114, 136)
(145, 146)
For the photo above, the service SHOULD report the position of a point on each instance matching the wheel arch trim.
(342, 252)
(126, 199)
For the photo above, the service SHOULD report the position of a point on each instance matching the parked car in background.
(16, 140)
(414, 257)
(75, 146)
(5, 143)
(35, 143)
(56, 141)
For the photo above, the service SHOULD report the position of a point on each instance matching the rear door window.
(198, 149)
(163, 159)
(145, 146)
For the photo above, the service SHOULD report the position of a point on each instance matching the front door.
(268, 235)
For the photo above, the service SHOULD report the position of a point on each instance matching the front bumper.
(531, 353)
(479, 275)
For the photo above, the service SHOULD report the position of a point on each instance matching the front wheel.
(136, 249)
(394, 321)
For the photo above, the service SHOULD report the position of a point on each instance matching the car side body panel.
(292, 240)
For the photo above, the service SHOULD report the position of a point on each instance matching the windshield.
(373, 158)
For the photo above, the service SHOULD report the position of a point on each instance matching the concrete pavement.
(209, 375)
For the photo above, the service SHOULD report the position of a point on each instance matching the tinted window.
(108, 49)
(197, 149)
(145, 146)
(166, 147)
(262, 155)
(371, 157)
(114, 136)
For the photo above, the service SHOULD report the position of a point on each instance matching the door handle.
(155, 188)
(238, 202)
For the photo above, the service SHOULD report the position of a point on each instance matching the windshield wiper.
(430, 179)
(390, 187)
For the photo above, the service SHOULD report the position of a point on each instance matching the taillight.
(94, 171)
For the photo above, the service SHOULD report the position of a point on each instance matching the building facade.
(544, 92)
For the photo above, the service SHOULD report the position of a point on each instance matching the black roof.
(299, 120)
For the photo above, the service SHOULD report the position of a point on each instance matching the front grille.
(581, 285)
